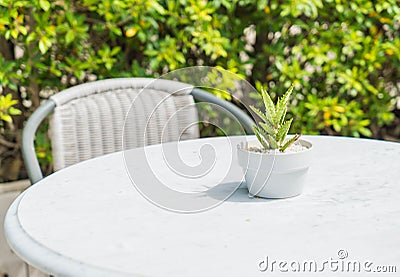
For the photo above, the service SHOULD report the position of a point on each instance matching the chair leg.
(27, 269)
(10, 264)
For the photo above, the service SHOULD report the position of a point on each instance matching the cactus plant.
(271, 132)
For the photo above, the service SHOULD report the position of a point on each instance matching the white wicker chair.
(87, 120)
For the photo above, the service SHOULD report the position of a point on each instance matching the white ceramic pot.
(275, 175)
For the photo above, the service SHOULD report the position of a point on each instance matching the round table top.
(90, 220)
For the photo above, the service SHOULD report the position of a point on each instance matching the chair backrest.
(88, 120)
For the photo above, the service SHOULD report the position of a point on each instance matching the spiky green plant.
(273, 129)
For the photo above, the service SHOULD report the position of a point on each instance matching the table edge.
(19, 241)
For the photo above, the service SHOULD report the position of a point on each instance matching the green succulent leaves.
(273, 129)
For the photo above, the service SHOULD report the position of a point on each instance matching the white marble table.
(90, 220)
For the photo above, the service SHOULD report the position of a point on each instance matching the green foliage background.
(342, 56)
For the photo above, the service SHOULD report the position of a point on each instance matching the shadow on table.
(220, 192)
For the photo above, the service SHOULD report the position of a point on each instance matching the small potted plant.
(275, 165)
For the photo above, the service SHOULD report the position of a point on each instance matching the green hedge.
(342, 56)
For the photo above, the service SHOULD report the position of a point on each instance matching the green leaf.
(115, 51)
(281, 107)
(180, 57)
(23, 30)
(365, 132)
(31, 37)
(160, 9)
(151, 52)
(14, 111)
(364, 122)
(154, 63)
(289, 142)
(260, 137)
(336, 126)
(116, 30)
(142, 36)
(14, 33)
(69, 37)
(269, 105)
(6, 117)
(44, 44)
(260, 114)
(40, 65)
(280, 115)
(44, 4)
(268, 128)
(271, 141)
(283, 131)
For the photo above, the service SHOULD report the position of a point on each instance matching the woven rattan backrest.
(88, 120)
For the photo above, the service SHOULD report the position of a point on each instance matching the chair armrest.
(244, 119)
(28, 138)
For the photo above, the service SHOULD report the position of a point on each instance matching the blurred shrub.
(342, 56)
(7, 109)
(7, 143)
